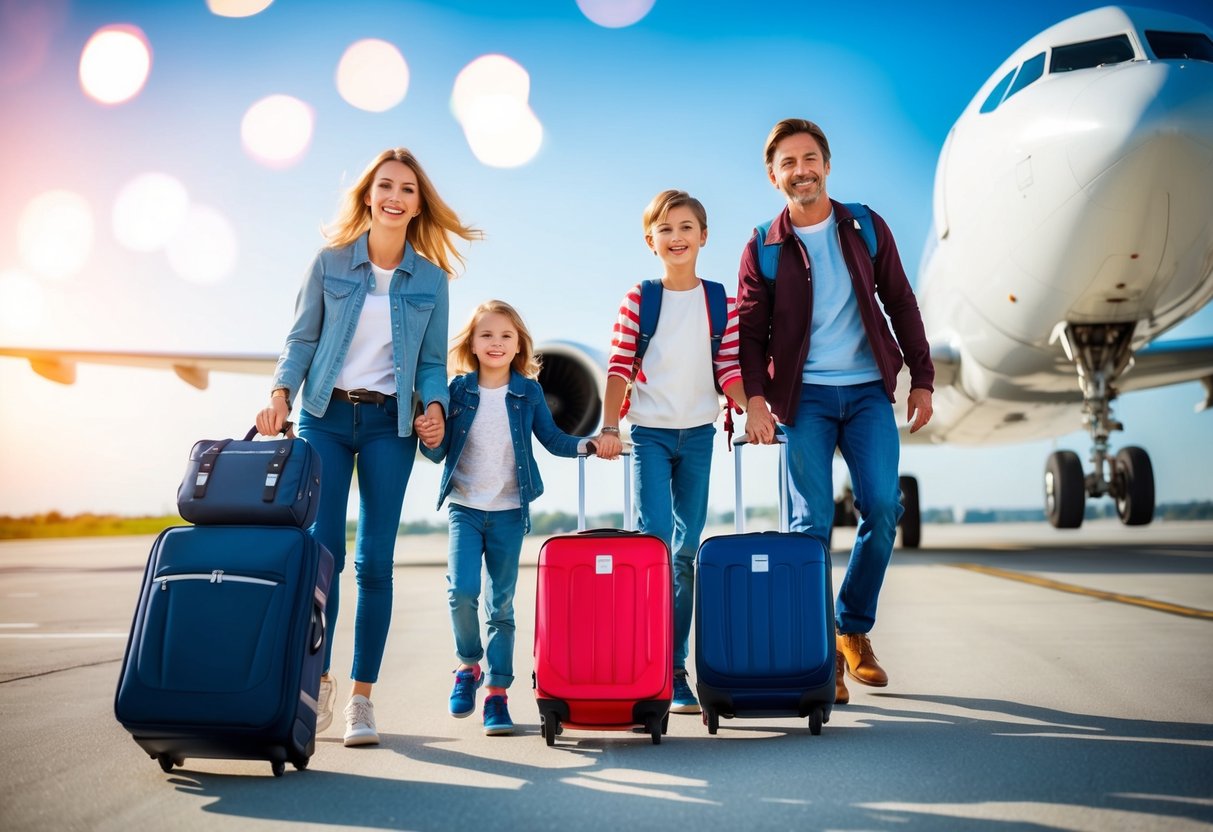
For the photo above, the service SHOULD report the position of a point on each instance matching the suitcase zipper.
(216, 576)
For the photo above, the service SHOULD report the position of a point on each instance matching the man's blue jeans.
(672, 470)
(494, 539)
(362, 435)
(858, 420)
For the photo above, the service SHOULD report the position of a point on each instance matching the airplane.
(1072, 225)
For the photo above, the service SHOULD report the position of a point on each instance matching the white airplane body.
(1073, 223)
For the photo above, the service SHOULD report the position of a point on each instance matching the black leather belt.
(360, 396)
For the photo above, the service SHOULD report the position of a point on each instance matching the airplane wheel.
(1065, 490)
(1134, 486)
(911, 519)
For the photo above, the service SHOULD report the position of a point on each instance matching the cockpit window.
(1032, 69)
(995, 97)
(1091, 53)
(1194, 46)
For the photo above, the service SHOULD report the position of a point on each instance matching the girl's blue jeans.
(362, 437)
(672, 470)
(858, 420)
(492, 540)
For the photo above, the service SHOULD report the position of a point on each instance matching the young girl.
(370, 330)
(674, 403)
(490, 477)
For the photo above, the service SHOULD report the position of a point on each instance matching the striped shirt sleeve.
(727, 367)
(625, 334)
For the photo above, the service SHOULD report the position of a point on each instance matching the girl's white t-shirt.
(485, 477)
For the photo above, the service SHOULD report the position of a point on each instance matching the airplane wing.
(192, 368)
(1172, 362)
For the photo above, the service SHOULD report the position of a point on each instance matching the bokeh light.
(237, 8)
(372, 75)
(488, 75)
(615, 14)
(489, 100)
(55, 234)
(148, 211)
(204, 249)
(502, 131)
(115, 63)
(22, 302)
(277, 130)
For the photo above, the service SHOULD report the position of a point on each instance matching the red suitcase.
(604, 608)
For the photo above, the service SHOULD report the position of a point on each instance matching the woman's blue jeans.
(492, 539)
(858, 420)
(672, 470)
(362, 436)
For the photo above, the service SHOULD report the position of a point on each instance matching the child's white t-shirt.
(485, 477)
(676, 387)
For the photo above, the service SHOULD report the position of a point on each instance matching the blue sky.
(684, 98)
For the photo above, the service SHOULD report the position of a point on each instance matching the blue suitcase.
(764, 621)
(225, 651)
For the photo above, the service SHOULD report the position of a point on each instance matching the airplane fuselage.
(1082, 197)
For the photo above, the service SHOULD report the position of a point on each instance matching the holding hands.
(431, 425)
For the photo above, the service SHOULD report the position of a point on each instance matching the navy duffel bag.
(273, 482)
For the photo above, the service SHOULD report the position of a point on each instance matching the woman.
(369, 337)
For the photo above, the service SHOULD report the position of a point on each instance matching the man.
(825, 363)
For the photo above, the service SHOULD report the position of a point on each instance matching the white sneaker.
(360, 722)
(324, 702)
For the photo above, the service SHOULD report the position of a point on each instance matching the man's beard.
(804, 198)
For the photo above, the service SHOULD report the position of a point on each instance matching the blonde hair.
(461, 359)
(430, 233)
(666, 201)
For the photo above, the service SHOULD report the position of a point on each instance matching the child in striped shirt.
(672, 402)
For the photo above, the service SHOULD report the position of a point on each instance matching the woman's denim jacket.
(528, 414)
(326, 315)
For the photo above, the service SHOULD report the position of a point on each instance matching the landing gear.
(1100, 352)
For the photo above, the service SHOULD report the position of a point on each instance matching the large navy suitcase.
(764, 621)
(225, 651)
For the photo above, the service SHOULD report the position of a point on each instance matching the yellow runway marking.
(1132, 600)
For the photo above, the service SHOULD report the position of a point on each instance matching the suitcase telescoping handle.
(781, 440)
(627, 489)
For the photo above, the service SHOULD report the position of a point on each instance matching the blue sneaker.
(684, 700)
(497, 717)
(463, 695)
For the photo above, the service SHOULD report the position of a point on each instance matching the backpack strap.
(650, 311)
(768, 255)
(861, 218)
(718, 313)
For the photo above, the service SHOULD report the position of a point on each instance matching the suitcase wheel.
(816, 719)
(167, 762)
(549, 727)
(278, 767)
(665, 723)
(653, 727)
(711, 719)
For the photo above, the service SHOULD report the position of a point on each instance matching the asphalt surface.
(1040, 680)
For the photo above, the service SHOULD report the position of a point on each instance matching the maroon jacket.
(775, 336)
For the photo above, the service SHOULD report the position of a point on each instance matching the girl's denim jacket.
(327, 312)
(528, 414)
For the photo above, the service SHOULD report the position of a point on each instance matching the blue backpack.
(768, 255)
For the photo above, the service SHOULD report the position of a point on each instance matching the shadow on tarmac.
(912, 763)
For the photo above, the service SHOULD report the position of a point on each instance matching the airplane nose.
(1150, 121)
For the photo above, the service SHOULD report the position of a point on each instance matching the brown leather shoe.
(841, 695)
(860, 660)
